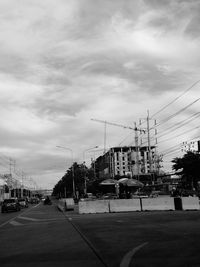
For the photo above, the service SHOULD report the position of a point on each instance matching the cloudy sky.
(64, 62)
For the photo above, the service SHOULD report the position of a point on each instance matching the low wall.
(120, 205)
(143, 204)
(96, 206)
(162, 203)
(190, 203)
(69, 203)
(65, 204)
(61, 204)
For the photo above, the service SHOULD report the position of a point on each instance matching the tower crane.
(125, 127)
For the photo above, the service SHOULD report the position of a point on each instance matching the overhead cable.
(180, 124)
(177, 113)
(183, 93)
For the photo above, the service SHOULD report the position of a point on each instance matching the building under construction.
(128, 161)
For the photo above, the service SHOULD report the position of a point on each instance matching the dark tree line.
(189, 167)
(83, 177)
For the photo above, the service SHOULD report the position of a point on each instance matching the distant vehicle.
(47, 201)
(11, 204)
(90, 195)
(43, 199)
(23, 202)
(34, 200)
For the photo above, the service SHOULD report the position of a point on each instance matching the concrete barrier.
(123, 205)
(94, 206)
(190, 203)
(61, 204)
(159, 203)
(69, 204)
(65, 204)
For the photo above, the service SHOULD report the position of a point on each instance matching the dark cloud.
(94, 17)
(52, 108)
(163, 23)
(55, 79)
(172, 14)
(44, 163)
(13, 64)
(159, 4)
(146, 72)
(193, 27)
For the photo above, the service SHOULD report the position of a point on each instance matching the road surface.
(43, 236)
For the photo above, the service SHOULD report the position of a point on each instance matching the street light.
(85, 181)
(73, 184)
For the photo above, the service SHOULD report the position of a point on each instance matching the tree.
(188, 167)
(64, 187)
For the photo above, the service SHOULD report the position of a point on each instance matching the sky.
(64, 62)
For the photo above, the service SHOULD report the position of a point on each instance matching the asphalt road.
(44, 236)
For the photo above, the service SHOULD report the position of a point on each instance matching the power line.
(163, 108)
(180, 124)
(171, 148)
(178, 112)
(180, 134)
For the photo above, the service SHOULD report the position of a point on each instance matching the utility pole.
(22, 184)
(10, 166)
(105, 129)
(149, 143)
(84, 168)
(149, 139)
(137, 152)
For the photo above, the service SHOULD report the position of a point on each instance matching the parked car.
(23, 202)
(11, 204)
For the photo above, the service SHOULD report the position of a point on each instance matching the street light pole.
(85, 181)
(73, 183)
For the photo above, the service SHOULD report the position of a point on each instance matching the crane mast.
(125, 127)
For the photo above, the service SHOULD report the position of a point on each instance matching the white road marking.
(28, 219)
(15, 223)
(128, 257)
(1, 225)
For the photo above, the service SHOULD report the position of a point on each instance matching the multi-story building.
(132, 161)
(193, 146)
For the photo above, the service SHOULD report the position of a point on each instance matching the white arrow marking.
(128, 257)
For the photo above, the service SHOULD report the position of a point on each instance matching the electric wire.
(170, 103)
(180, 134)
(171, 148)
(180, 124)
(177, 113)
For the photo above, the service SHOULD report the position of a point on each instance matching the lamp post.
(85, 181)
(73, 183)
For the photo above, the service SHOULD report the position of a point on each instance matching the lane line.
(1, 225)
(40, 220)
(85, 239)
(128, 257)
(28, 219)
(15, 223)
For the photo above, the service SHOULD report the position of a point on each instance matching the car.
(23, 202)
(47, 201)
(11, 204)
(34, 200)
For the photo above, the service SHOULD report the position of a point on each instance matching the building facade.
(193, 146)
(127, 161)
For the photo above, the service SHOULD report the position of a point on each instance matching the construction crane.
(125, 127)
